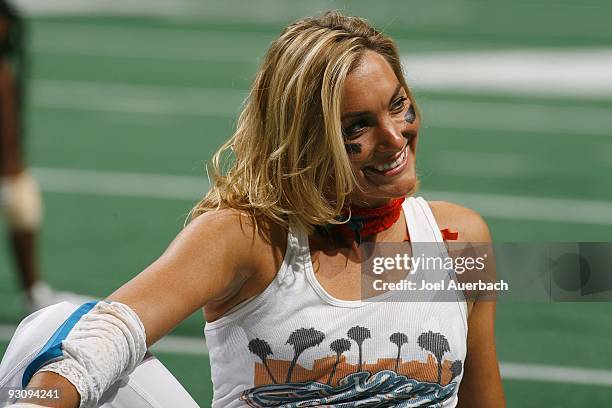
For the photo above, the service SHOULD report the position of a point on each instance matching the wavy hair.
(289, 157)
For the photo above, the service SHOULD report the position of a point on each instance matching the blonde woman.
(328, 132)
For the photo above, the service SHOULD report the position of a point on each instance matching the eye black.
(355, 128)
(410, 115)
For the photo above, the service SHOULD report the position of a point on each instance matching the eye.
(354, 129)
(399, 104)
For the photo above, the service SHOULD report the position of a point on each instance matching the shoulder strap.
(295, 254)
(422, 226)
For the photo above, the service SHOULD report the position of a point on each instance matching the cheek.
(359, 150)
(358, 162)
(407, 124)
(410, 131)
(357, 166)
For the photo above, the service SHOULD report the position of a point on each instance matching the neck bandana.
(365, 221)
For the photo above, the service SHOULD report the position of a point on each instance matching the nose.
(390, 136)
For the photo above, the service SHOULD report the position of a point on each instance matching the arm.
(481, 386)
(210, 260)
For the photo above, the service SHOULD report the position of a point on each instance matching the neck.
(364, 222)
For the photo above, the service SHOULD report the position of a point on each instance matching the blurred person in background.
(20, 198)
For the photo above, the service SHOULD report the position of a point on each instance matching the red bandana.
(366, 221)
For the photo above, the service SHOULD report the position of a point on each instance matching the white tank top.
(295, 345)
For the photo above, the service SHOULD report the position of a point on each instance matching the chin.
(377, 195)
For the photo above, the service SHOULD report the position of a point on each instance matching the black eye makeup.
(351, 132)
(410, 115)
(354, 129)
(353, 148)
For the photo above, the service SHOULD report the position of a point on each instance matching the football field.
(124, 109)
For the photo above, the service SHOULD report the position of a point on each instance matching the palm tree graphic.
(302, 339)
(437, 344)
(262, 349)
(358, 334)
(399, 339)
(455, 369)
(339, 346)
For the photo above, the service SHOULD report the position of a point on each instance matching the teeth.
(393, 164)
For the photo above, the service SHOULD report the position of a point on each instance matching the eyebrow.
(347, 115)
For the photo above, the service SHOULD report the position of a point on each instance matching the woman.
(329, 129)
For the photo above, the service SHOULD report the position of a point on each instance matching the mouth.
(393, 166)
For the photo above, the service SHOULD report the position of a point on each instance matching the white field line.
(181, 345)
(184, 345)
(571, 211)
(121, 184)
(560, 374)
(192, 101)
(573, 72)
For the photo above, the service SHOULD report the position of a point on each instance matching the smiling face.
(380, 128)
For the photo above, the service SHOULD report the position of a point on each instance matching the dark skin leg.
(11, 162)
(23, 242)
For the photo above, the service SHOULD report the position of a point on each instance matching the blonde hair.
(289, 155)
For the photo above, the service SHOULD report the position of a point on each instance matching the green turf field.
(119, 104)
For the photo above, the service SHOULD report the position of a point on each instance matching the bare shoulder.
(469, 223)
(228, 220)
(230, 223)
(237, 232)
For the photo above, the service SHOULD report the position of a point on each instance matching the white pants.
(151, 385)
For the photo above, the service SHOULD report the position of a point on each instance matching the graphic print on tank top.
(332, 381)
